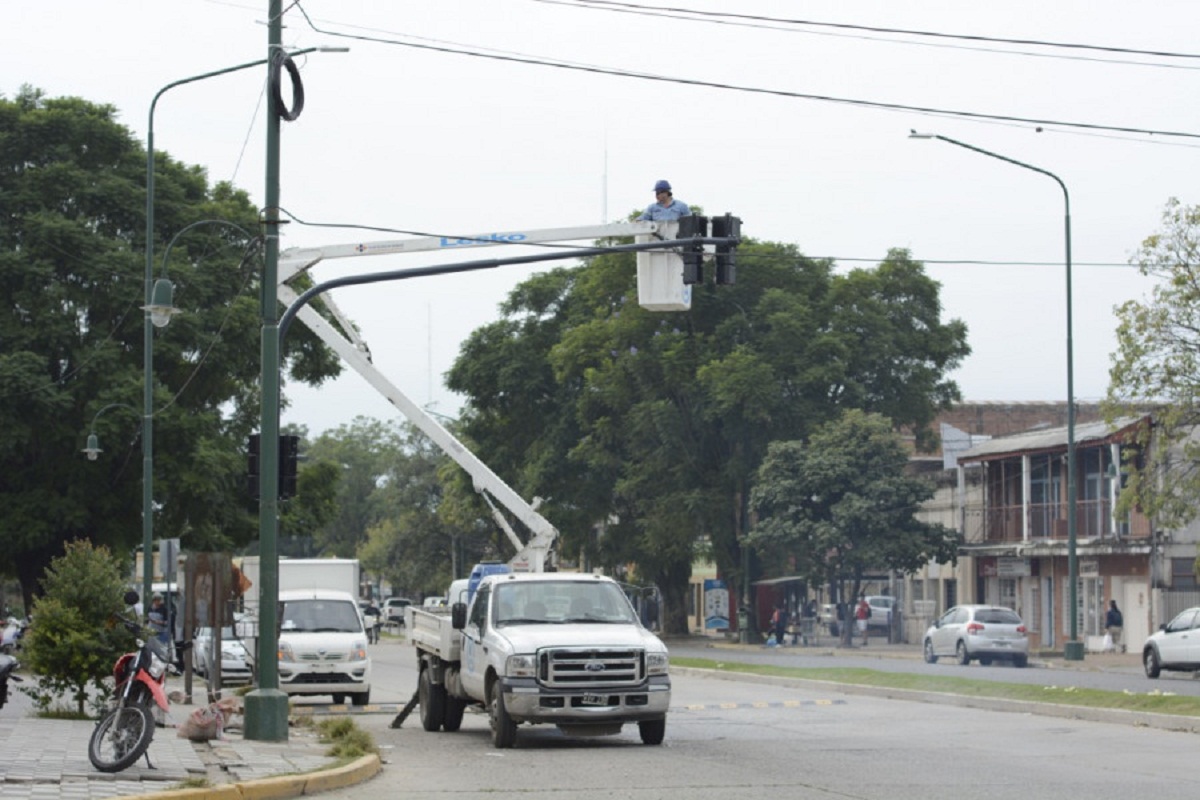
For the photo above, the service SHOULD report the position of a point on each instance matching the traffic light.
(693, 252)
(252, 465)
(731, 227)
(289, 454)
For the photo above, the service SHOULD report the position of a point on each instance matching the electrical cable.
(856, 102)
(279, 61)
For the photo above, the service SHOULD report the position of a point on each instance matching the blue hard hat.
(662, 186)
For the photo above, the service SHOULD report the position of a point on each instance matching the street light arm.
(1046, 172)
(93, 443)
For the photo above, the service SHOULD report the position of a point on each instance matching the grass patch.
(346, 740)
(1155, 701)
(193, 783)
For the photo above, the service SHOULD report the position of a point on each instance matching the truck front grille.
(566, 668)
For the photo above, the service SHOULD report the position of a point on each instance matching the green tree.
(1157, 367)
(642, 430)
(72, 238)
(841, 505)
(70, 647)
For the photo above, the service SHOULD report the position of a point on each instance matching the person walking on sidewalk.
(862, 613)
(1113, 623)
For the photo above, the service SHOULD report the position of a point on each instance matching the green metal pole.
(1073, 648)
(266, 707)
(148, 340)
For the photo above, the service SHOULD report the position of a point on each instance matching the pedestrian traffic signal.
(691, 228)
(730, 227)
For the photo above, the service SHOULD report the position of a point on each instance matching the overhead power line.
(849, 101)
(638, 8)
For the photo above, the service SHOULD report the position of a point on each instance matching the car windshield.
(310, 616)
(997, 616)
(561, 602)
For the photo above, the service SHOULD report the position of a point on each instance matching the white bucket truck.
(530, 647)
(558, 648)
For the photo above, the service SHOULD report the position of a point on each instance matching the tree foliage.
(642, 430)
(840, 505)
(72, 271)
(70, 647)
(1157, 367)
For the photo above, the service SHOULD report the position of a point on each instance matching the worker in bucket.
(665, 206)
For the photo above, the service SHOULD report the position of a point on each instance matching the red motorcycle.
(124, 733)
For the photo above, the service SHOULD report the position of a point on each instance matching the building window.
(1183, 573)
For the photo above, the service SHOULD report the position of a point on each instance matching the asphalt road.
(730, 738)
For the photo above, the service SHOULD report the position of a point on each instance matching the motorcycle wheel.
(120, 738)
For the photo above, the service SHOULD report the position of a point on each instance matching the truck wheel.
(361, 698)
(652, 731)
(504, 730)
(433, 702)
(452, 720)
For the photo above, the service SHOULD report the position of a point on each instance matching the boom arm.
(531, 556)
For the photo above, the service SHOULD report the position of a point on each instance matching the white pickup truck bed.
(430, 630)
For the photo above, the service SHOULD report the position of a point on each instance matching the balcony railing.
(1048, 521)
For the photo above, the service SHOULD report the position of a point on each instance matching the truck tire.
(452, 720)
(504, 730)
(652, 731)
(432, 701)
(361, 698)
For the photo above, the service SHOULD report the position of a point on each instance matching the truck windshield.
(320, 615)
(560, 602)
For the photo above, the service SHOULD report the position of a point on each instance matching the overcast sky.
(418, 139)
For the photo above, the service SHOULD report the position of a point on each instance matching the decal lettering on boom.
(485, 239)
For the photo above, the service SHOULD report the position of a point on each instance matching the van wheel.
(361, 698)
(432, 699)
(339, 699)
(504, 730)
(962, 655)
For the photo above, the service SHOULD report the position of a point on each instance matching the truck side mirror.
(458, 616)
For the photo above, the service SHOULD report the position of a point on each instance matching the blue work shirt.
(656, 212)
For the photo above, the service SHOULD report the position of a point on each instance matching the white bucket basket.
(660, 275)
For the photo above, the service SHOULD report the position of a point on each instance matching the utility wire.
(720, 16)
(856, 102)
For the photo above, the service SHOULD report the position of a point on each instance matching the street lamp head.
(161, 308)
(93, 447)
(915, 135)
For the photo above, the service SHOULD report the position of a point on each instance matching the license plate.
(593, 700)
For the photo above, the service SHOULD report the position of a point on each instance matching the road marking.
(757, 704)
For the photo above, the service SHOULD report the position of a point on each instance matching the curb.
(282, 786)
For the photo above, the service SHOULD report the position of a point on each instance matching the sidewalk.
(47, 758)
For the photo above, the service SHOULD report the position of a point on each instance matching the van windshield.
(314, 616)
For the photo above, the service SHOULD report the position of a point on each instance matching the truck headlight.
(358, 652)
(521, 667)
(657, 663)
(285, 652)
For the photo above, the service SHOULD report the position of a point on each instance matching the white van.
(323, 646)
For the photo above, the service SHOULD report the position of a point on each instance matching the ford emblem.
(595, 666)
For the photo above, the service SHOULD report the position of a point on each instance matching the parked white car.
(983, 633)
(234, 666)
(1175, 646)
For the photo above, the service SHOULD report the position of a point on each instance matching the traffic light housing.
(252, 467)
(691, 227)
(289, 455)
(731, 227)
